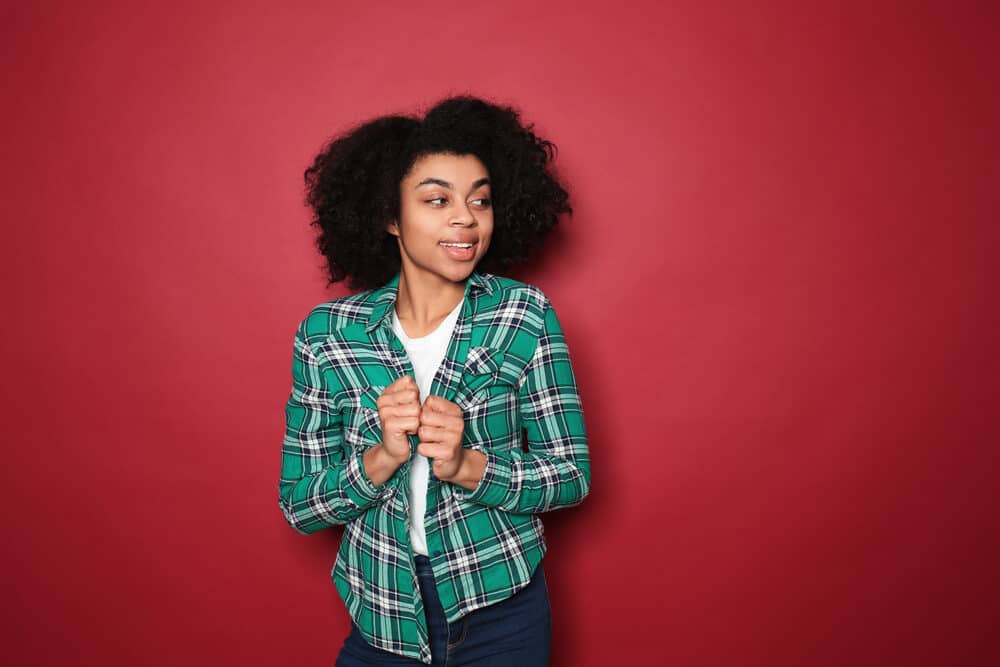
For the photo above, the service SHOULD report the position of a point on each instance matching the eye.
(440, 199)
(484, 201)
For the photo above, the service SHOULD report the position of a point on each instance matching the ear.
(392, 227)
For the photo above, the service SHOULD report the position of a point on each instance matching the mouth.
(458, 250)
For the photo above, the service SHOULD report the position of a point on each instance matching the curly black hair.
(352, 185)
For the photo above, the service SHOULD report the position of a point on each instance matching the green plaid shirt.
(508, 367)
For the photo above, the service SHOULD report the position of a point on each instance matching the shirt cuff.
(492, 488)
(357, 488)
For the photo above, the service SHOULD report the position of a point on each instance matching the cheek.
(487, 236)
(484, 247)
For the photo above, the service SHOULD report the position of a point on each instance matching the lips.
(458, 252)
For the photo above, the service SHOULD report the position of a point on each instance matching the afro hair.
(353, 184)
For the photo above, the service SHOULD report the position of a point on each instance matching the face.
(445, 205)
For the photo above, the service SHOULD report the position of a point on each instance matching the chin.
(461, 274)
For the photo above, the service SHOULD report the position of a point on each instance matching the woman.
(411, 399)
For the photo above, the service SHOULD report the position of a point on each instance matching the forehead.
(458, 169)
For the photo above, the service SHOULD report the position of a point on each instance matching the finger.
(434, 451)
(429, 416)
(402, 425)
(428, 433)
(403, 380)
(438, 420)
(442, 420)
(402, 396)
(402, 410)
(402, 383)
(444, 406)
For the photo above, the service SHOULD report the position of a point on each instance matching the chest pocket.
(482, 377)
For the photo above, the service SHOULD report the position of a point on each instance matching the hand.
(440, 432)
(399, 410)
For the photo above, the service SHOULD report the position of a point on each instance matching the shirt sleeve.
(322, 482)
(555, 471)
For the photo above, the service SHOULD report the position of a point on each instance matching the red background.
(777, 288)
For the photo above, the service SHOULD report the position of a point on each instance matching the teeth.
(457, 245)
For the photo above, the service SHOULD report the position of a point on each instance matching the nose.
(463, 216)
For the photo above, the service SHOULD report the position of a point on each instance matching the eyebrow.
(445, 184)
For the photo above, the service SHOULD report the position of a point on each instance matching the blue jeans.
(515, 631)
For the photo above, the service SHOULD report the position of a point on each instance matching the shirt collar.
(384, 298)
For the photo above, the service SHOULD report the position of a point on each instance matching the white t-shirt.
(426, 354)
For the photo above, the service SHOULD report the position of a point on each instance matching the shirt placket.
(443, 384)
(393, 354)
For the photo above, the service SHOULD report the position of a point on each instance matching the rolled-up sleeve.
(555, 471)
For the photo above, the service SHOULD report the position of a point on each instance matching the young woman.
(435, 412)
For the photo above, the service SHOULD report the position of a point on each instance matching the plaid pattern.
(508, 367)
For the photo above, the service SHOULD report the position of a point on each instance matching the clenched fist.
(440, 433)
(399, 411)
(438, 423)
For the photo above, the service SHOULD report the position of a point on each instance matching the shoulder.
(330, 316)
(508, 291)
(517, 315)
(525, 307)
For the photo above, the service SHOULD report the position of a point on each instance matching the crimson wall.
(778, 288)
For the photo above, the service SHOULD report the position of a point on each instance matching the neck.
(425, 299)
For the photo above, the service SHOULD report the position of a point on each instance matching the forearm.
(471, 470)
(379, 464)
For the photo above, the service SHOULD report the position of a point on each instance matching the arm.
(322, 483)
(555, 471)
